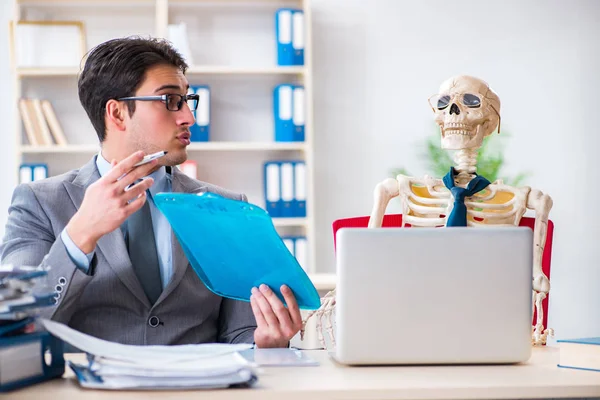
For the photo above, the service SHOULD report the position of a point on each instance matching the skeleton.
(324, 312)
(467, 111)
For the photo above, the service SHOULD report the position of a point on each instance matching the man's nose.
(186, 116)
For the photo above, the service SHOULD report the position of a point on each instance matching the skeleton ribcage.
(427, 203)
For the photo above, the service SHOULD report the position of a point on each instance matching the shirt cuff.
(79, 258)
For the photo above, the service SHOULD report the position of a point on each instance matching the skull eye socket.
(472, 101)
(443, 102)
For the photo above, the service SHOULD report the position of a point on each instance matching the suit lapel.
(112, 245)
(181, 183)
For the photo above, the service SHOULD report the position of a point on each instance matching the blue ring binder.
(46, 341)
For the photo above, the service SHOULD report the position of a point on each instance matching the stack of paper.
(117, 366)
(23, 290)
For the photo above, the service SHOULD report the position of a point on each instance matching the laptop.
(433, 295)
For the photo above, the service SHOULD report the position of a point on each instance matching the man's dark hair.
(116, 69)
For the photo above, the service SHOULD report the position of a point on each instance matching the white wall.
(7, 110)
(376, 63)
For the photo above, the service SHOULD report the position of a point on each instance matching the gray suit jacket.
(109, 302)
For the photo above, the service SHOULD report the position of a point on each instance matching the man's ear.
(116, 113)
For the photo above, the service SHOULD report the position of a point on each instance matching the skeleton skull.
(467, 110)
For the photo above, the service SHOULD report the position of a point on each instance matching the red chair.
(395, 221)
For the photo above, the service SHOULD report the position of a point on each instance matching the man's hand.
(276, 324)
(106, 204)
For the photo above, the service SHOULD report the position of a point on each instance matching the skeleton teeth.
(458, 132)
(456, 125)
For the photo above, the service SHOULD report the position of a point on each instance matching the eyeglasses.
(441, 101)
(173, 102)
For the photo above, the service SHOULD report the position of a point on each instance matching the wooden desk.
(539, 378)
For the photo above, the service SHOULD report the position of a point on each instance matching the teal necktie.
(458, 216)
(142, 250)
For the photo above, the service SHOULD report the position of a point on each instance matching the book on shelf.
(31, 172)
(28, 117)
(297, 246)
(284, 185)
(39, 122)
(177, 34)
(289, 33)
(53, 124)
(289, 112)
(583, 353)
(42, 127)
(200, 130)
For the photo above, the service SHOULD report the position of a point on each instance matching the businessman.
(118, 271)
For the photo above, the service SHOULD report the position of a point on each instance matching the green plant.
(490, 160)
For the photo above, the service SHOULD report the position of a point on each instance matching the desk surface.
(538, 378)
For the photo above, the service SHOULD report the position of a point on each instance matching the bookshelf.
(234, 52)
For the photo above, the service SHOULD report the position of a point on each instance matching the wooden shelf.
(231, 70)
(47, 71)
(246, 146)
(148, 2)
(230, 1)
(323, 282)
(285, 222)
(194, 70)
(197, 146)
(72, 148)
(84, 2)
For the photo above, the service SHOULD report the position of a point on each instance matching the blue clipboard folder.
(233, 246)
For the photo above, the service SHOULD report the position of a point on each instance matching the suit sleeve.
(29, 241)
(236, 322)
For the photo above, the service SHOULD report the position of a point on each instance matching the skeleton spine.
(466, 161)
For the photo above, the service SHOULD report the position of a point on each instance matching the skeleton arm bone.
(541, 203)
(384, 192)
